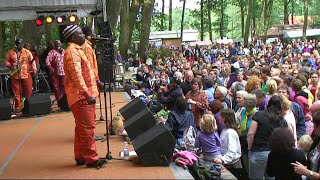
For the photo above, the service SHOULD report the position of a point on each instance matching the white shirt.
(291, 121)
(230, 146)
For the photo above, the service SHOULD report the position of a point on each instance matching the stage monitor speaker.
(139, 123)
(37, 104)
(132, 108)
(5, 109)
(155, 146)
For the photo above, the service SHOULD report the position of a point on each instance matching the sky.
(190, 4)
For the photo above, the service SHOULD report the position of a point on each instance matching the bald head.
(315, 107)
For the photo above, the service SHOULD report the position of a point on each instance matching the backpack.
(205, 170)
(189, 139)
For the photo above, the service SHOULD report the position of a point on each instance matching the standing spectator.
(262, 125)
(216, 106)
(301, 98)
(208, 86)
(314, 82)
(198, 100)
(312, 169)
(297, 111)
(283, 153)
(230, 143)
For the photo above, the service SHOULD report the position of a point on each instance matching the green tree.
(124, 28)
(145, 27)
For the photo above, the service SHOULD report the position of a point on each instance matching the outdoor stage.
(42, 148)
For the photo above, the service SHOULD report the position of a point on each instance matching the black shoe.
(80, 162)
(97, 164)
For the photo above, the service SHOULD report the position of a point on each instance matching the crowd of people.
(256, 110)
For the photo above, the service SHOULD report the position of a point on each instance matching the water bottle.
(125, 151)
(189, 106)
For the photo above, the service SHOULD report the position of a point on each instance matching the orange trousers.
(84, 143)
(20, 84)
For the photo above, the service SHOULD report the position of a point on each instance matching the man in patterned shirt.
(54, 63)
(19, 61)
(82, 90)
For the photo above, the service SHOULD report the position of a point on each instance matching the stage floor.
(42, 148)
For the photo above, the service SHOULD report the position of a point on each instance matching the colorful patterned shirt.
(25, 59)
(80, 78)
(55, 60)
(91, 56)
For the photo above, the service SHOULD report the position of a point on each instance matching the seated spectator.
(169, 98)
(180, 119)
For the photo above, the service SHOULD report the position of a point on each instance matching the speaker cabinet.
(139, 123)
(37, 104)
(155, 147)
(5, 109)
(132, 108)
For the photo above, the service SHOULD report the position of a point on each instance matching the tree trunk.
(113, 10)
(145, 27)
(201, 20)
(170, 15)
(292, 11)
(247, 28)
(242, 17)
(259, 24)
(209, 19)
(13, 31)
(2, 40)
(162, 15)
(182, 19)
(267, 12)
(124, 28)
(285, 12)
(305, 21)
(134, 10)
(31, 33)
(253, 34)
(222, 19)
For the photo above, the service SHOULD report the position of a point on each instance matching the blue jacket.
(179, 121)
(300, 119)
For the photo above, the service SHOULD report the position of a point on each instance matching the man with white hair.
(221, 94)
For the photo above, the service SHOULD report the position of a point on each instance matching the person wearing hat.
(81, 90)
(19, 60)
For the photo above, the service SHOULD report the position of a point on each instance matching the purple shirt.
(210, 143)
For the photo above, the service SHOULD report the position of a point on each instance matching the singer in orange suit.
(81, 90)
(19, 60)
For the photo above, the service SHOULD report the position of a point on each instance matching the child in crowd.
(230, 143)
(208, 138)
(305, 142)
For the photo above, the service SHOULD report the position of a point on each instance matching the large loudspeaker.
(155, 147)
(5, 109)
(139, 123)
(132, 108)
(37, 104)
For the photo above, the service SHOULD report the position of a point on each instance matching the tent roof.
(188, 35)
(31, 9)
(298, 33)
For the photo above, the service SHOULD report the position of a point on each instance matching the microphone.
(97, 38)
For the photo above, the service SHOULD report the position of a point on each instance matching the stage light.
(39, 21)
(49, 19)
(73, 18)
(60, 19)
